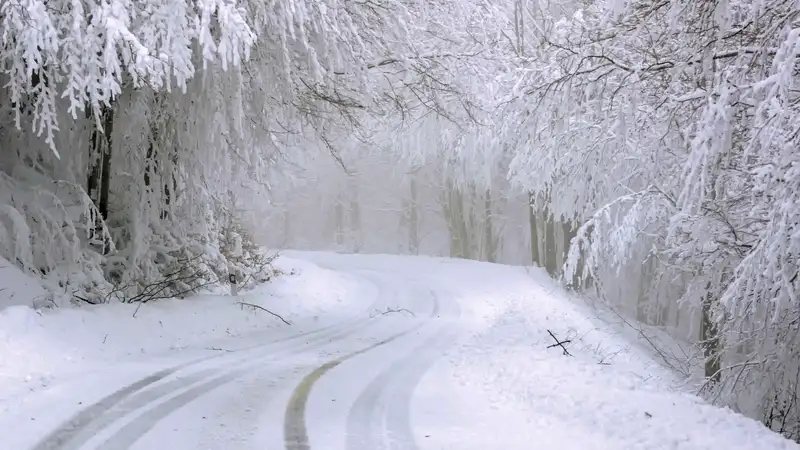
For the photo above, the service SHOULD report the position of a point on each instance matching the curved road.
(344, 386)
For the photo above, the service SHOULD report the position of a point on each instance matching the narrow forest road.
(441, 358)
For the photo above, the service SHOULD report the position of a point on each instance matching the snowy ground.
(40, 347)
(383, 352)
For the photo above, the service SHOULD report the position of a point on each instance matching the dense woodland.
(643, 151)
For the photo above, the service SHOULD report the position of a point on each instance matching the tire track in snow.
(380, 417)
(64, 437)
(388, 295)
(132, 431)
(59, 437)
(295, 430)
(214, 378)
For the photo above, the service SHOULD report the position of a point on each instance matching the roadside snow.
(41, 347)
(513, 390)
(18, 289)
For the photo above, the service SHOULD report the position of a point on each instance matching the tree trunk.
(550, 255)
(709, 336)
(157, 171)
(355, 216)
(105, 180)
(519, 27)
(488, 233)
(569, 233)
(338, 213)
(93, 180)
(453, 206)
(149, 164)
(170, 187)
(99, 179)
(413, 218)
(459, 223)
(287, 226)
(709, 332)
(581, 281)
(534, 234)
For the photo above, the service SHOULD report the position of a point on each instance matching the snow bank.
(611, 394)
(38, 348)
(17, 288)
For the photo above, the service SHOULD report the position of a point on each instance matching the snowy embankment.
(508, 378)
(43, 348)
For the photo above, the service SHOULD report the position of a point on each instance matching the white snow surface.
(16, 288)
(39, 347)
(470, 370)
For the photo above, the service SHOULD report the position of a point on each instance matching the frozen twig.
(390, 311)
(136, 311)
(263, 309)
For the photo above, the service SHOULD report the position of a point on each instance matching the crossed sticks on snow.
(559, 343)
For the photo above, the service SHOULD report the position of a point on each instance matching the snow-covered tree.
(129, 126)
(668, 131)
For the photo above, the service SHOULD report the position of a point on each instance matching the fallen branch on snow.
(390, 311)
(217, 349)
(263, 309)
(184, 280)
(559, 343)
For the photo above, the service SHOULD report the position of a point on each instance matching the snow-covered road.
(415, 354)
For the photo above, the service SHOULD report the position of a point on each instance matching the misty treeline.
(644, 152)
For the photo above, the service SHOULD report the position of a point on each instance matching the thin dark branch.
(559, 343)
(263, 309)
